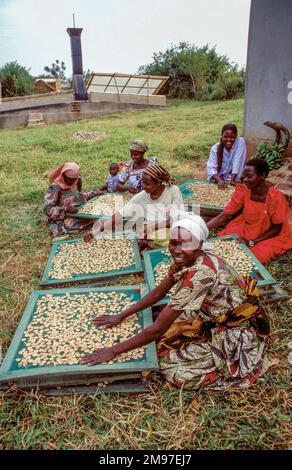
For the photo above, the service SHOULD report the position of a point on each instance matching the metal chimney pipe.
(76, 54)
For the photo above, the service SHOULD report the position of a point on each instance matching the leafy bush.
(229, 86)
(15, 80)
(196, 73)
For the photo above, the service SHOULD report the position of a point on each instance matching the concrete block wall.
(30, 101)
(61, 112)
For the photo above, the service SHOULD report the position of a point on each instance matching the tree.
(194, 63)
(56, 70)
(87, 74)
(229, 85)
(193, 71)
(15, 80)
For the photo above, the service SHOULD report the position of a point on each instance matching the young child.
(112, 179)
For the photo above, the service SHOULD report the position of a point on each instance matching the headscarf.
(158, 173)
(72, 170)
(193, 224)
(139, 146)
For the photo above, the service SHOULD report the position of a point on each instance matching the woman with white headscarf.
(208, 334)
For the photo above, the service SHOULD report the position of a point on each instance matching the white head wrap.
(194, 224)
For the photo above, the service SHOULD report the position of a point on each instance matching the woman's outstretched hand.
(133, 190)
(108, 321)
(94, 194)
(242, 240)
(221, 184)
(70, 207)
(99, 356)
(88, 237)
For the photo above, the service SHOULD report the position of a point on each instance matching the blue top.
(112, 183)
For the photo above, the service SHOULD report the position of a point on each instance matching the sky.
(118, 35)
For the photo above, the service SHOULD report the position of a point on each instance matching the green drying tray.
(92, 216)
(124, 387)
(154, 257)
(63, 375)
(188, 197)
(46, 280)
(259, 272)
(151, 259)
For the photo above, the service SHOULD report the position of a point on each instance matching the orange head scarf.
(72, 170)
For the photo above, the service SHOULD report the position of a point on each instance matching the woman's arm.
(151, 227)
(104, 187)
(232, 209)
(110, 224)
(103, 226)
(220, 181)
(219, 220)
(233, 179)
(121, 188)
(93, 194)
(272, 232)
(212, 168)
(165, 319)
(150, 299)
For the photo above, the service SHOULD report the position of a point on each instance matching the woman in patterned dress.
(63, 196)
(130, 178)
(210, 333)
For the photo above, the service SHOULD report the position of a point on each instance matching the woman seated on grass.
(63, 196)
(151, 209)
(263, 222)
(227, 157)
(130, 178)
(209, 332)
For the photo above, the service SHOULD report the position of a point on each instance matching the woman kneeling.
(64, 196)
(209, 333)
(263, 222)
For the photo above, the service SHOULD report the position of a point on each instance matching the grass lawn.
(166, 418)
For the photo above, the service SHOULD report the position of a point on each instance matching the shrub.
(15, 80)
(229, 86)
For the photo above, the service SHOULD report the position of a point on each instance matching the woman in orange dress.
(263, 224)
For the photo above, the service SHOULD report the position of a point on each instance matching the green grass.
(180, 136)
